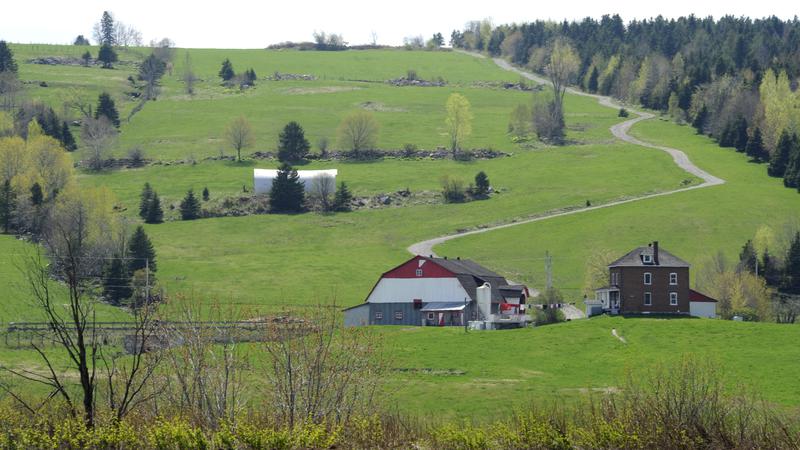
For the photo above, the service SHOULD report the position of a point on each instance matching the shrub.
(136, 155)
(176, 434)
(464, 437)
(622, 112)
(548, 122)
(453, 190)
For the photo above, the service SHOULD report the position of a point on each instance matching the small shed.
(701, 305)
(262, 179)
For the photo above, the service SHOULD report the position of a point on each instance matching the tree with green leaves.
(791, 274)
(116, 281)
(8, 204)
(81, 40)
(141, 253)
(342, 199)
(144, 200)
(86, 57)
(7, 63)
(292, 143)
(107, 108)
(755, 146)
(67, 139)
(748, 258)
(699, 122)
(155, 214)
(481, 185)
(37, 195)
(287, 193)
(740, 136)
(593, 77)
(107, 56)
(107, 35)
(780, 159)
(190, 206)
(458, 121)
(791, 177)
(226, 71)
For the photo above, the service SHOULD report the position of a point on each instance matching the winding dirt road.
(620, 131)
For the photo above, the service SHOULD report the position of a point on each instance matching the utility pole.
(548, 268)
(464, 316)
(147, 280)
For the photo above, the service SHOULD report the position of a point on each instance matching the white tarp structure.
(262, 179)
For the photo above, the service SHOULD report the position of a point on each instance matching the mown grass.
(693, 225)
(447, 373)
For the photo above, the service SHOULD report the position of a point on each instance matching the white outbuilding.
(262, 179)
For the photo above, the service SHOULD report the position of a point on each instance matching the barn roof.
(471, 275)
(695, 296)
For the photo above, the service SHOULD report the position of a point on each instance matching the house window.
(647, 259)
(419, 272)
(614, 279)
(378, 315)
(673, 279)
(648, 298)
(648, 278)
(673, 298)
(430, 316)
(398, 315)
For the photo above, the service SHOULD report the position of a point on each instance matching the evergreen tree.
(107, 35)
(740, 136)
(141, 253)
(106, 107)
(145, 198)
(205, 194)
(755, 146)
(287, 193)
(117, 282)
(86, 57)
(81, 40)
(791, 274)
(791, 177)
(67, 139)
(292, 143)
(748, 257)
(7, 63)
(780, 159)
(154, 212)
(190, 206)
(250, 76)
(342, 199)
(700, 119)
(107, 56)
(727, 136)
(8, 204)
(37, 196)
(226, 71)
(592, 85)
(481, 184)
(769, 269)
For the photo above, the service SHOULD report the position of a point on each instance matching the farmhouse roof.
(636, 258)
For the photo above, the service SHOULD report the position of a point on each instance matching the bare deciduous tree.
(358, 131)
(189, 78)
(239, 134)
(97, 135)
(320, 371)
(322, 189)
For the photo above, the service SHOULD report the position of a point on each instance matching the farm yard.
(273, 263)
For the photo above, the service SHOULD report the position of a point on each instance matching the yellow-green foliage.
(463, 437)
(176, 434)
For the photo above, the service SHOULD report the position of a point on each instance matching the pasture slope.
(273, 262)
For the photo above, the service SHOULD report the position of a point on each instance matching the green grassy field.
(443, 372)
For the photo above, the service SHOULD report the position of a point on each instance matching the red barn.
(436, 291)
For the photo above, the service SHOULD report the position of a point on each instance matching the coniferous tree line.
(732, 78)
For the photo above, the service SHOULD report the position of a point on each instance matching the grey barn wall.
(365, 314)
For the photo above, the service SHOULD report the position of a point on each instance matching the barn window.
(648, 298)
(648, 278)
(419, 272)
(673, 278)
(378, 315)
(673, 298)
(417, 303)
(398, 315)
(430, 316)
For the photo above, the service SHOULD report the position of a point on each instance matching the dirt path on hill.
(620, 131)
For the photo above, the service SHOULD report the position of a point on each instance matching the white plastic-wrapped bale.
(262, 179)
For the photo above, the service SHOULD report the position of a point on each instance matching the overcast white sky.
(256, 24)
